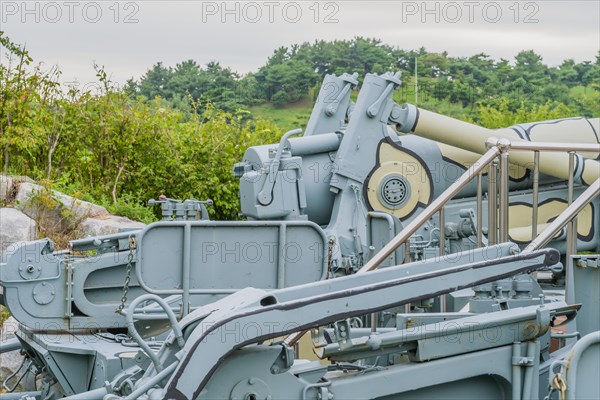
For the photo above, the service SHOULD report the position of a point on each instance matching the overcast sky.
(130, 36)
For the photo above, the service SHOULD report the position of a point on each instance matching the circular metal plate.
(30, 271)
(394, 191)
(43, 293)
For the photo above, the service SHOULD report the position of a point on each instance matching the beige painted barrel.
(472, 138)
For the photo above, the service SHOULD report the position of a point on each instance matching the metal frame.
(306, 306)
(185, 291)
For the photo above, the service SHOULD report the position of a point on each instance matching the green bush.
(117, 151)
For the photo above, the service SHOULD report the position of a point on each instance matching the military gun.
(420, 256)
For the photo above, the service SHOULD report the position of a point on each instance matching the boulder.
(9, 362)
(8, 329)
(15, 227)
(80, 209)
(106, 225)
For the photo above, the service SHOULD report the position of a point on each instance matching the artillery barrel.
(473, 138)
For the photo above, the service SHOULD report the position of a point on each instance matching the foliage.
(290, 73)
(501, 116)
(53, 219)
(128, 206)
(121, 150)
(213, 84)
(4, 315)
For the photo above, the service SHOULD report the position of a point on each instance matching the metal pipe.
(10, 345)
(391, 228)
(442, 298)
(374, 322)
(434, 207)
(504, 197)
(281, 261)
(532, 352)
(565, 335)
(395, 338)
(516, 371)
(150, 383)
(187, 266)
(536, 194)
(573, 249)
(321, 143)
(567, 215)
(571, 234)
(20, 395)
(571, 180)
(554, 146)
(574, 356)
(95, 394)
(136, 336)
(98, 241)
(479, 210)
(573, 224)
(492, 205)
(314, 386)
(442, 232)
(150, 316)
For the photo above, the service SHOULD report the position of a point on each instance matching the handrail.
(574, 207)
(497, 148)
(412, 227)
(565, 217)
(433, 208)
(555, 146)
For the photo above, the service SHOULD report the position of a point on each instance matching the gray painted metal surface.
(190, 308)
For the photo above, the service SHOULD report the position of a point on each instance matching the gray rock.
(9, 362)
(8, 329)
(15, 227)
(80, 209)
(106, 225)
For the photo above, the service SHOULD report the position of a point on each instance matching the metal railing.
(568, 216)
(497, 159)
(498, 220)
(436, 206)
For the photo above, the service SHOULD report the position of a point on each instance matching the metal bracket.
(351, 83)
(342, 333)
(522, 361)
(266, 194)
(394, 80)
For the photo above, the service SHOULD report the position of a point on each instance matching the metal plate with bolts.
(394, 191)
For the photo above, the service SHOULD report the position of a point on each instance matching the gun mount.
(424, 256)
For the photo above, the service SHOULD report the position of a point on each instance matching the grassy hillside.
(296, 115)
(290, 116)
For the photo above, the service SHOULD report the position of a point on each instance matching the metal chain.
(561, 386)
(331, 243)
(128, 269)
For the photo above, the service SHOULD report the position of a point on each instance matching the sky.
(128, 37)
